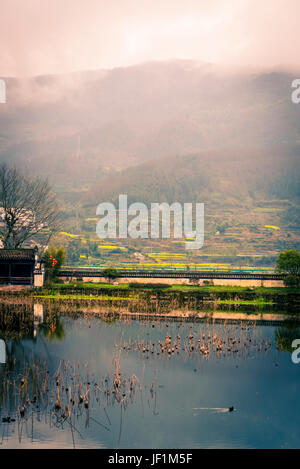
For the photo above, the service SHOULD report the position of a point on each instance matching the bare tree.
(28, 209)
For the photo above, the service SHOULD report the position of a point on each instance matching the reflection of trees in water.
(71, 397)
(52, 326)
(19, 322)
(284, 336)
(67, 399)
(22, 321)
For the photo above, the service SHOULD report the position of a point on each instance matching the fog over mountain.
(81, 127)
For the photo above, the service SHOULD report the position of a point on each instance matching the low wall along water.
(183, 281)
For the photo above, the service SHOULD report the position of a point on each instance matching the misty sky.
(58, 36)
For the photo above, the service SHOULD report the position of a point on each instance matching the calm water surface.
(148, 384)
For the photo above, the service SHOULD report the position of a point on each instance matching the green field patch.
(256, 302)
(89, 285)
(58, 296)
(235, 289)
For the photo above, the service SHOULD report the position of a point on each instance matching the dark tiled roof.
(17, 254)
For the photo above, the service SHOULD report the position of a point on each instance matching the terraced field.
(248, 238)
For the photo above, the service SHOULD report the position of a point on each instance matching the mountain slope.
(225, 176)
(78, 127)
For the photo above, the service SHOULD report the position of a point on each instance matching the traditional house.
(20, 267)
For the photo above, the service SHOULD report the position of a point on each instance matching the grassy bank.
(172, 288)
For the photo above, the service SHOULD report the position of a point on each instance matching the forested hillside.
(227, 177)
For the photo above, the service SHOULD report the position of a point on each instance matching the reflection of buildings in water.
(38, 317)
(2, 351)
(20, 321)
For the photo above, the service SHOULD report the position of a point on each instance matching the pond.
(71, 379)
